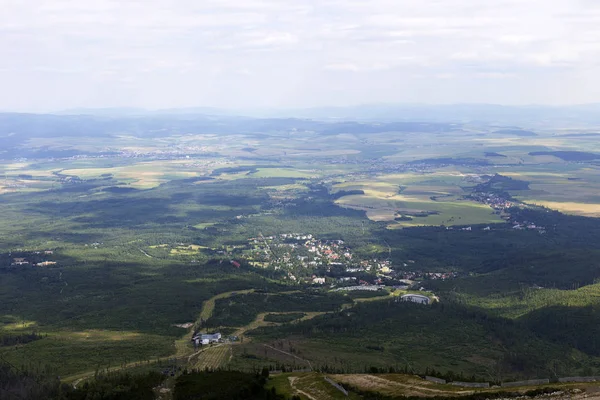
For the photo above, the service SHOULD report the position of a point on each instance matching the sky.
(242, 54)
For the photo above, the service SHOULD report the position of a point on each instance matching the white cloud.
(342, 67)
(168, 53)
(444, 75)
(495, 75)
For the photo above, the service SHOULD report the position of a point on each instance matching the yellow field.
(213, 357)
(187, 249)
(572, 191)
(283, 188)
(388, 196)
(283, 173)
(101, 335)
(588, 210)
(143, 175)
(204, 225)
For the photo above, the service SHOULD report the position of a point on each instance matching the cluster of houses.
(495, 200)
(369, 288)
(528, 226)
(299, 254)
(499, 203)
(416, 275)
(288, 249)
(22, 261)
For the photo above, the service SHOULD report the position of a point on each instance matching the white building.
(207, 338)
(415, 298)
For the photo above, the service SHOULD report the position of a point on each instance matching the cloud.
(495, 75)
(283, 52)
(342, 67)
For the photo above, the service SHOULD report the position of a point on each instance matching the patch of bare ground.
(384, 385)
(292, 380)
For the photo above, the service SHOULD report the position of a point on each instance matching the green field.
(440, 194)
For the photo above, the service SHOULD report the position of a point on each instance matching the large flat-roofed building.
(205, 338)
(416, 298)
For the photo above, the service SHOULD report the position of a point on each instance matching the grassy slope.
(447, 338)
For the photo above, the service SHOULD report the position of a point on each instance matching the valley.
(296, 241)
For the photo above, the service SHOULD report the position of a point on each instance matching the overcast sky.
(57, 54)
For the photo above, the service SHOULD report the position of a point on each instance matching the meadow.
(428, 199)
(572, 189)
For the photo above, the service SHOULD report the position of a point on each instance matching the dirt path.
(388, 386)
(76, 379)
(260, 321)
(298, 391)
(146, 254)
(182, 348)
(183, 351)
(208, 307)
(290, 354)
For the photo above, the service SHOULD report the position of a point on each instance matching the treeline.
(224, 385)
(26, 385)
(448, 330)
(12, 340)
(563, 257)
(118, 386)
(283, 318)
(449, 376)
(501, 184)
(568, 155)
(341, 193)
(242, 309)
(578, 327)
(22, 384)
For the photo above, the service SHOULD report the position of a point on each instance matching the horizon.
(256, 112)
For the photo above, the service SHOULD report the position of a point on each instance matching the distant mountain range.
(531, 116)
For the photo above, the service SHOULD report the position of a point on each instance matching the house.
(415, 298)
(235, 264)
(46, 263)
(318, 281)
(206, 338)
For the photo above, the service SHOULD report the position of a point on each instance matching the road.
(183, 350)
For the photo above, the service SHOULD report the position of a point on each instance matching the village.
(309, 260)
(501, 203)
(37, 258)
(497, 201)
